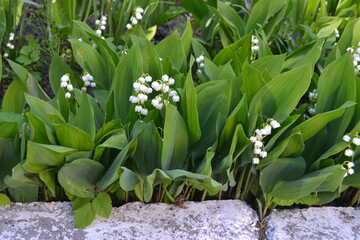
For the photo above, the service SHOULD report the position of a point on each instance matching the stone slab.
(226, 219)
(314, 223)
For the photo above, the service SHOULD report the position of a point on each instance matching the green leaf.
(70, 136)
(196, 7)
(187, 37)
(280, 96)
(147, 156)
(128, 70)
(189, 109)
(172, 48)
(58, 68)
(117, 141)
(199, 181)
(102, 205)
(151, 61)
(156, 177)
(84, 118)
(62, 12)
(349, 38)
(261, 12)
(14, 100)
(84, 216)
(40, 156)
(106, 129)
(128, 179)
(39, 131)
(313, 125)
(79, 176)
(281, 170)
(231, 18)
(305, 55)
(9, 157)
(90, 60)
(252, 82)
(335, 87)
(112, 174)
(44, 111)
(4, 200)
(32, 86)
(213, 99)
(176, 140)
(20, 178)
(273, 64)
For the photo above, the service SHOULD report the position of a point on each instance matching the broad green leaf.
(4, 200)
(79, 176)
(40, 156)
(281, 170)
(156, 177)
(276, 19)
(280, 96)
(196, 7)
(118, 141)
(39, 131)
(106, 129)
(313, 125)
(252, 82)
(102, 205)
(32, 86)
(70, 136)
(190, 113)
(62, 12)
(151, 61)
(9, 157)
(58, 68)
(84, 216)
(326, 26)
(187, 37)
(335, 87)
(213, 98)
(173, 49)
(24, 194)
(273, 64)
(176, 140)
(349, 38)
(112, 174)
(128, 179)
(90, 60)
(261, 12)
(84, 118)
(44, 111)
(14, 99)
(126, 73)
(147, 155)
(305, 55)
(239, 115)
(49, 178)
(20, 178)
(231, 18)
(199, 181)
(79, 202)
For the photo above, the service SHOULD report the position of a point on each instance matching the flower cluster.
(356, 140)
(313, 97)
(200, 60)
(88, 81)
(66, 83)
(9, 44)
(349, 167)
(101, 25)
(145, 85)
(337, 34)
(135, 19)
(260, 134)
(356, 57)
(254, 47)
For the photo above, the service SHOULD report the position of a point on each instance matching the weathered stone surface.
(229, 219)
(314, 223)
